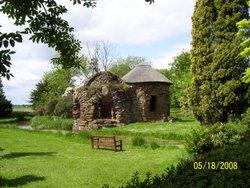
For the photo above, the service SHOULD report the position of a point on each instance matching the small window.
(152, 104)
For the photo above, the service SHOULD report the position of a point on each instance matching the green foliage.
(185, 175)
(246, 77)
(123, 65)
(139, 141)
(64, 107)
(7, 40)
(246, 118)
(43, 20)
(5, 105)
(216, 91)
(215, 137)
(5, 108)
(244, 33)
(37, 96)
(51, 87)
(180, 75)
(50, 107)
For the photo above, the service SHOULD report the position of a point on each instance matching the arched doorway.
(106, 107)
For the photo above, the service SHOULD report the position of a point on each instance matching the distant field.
(19, 113)
(22, 108)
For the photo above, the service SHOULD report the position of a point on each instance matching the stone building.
(106, 100)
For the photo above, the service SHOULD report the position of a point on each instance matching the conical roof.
(144, 73)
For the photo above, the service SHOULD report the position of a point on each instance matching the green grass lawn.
(36, 159)
(46, 159)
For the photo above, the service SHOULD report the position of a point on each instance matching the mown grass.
(39, 159)
(42, 159)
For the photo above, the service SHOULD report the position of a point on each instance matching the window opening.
(152, 104)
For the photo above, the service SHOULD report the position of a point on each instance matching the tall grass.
(163, 130)
(46, 122)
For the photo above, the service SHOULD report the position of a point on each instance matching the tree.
(123, 65)
(5, 105)
(180, 75)
(43, 20)
(51, 87)
(244, 32)
(99, 56)
(216, 91)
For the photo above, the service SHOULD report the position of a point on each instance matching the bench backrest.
(102, 137)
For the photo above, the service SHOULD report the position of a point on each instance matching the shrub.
(138, 141)
(40, 111)
(5, 108)
(246, 117)
(64, 107)
(186, 175)
(50, 107)
(215, 137)
(154, 145)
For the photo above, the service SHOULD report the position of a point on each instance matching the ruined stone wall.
(126, 106)
(145, 92)
(105, 101)
(88, 109)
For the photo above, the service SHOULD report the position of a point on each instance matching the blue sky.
(157, 32)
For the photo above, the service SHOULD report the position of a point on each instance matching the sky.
(157, 32)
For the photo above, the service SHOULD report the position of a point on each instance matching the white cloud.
(166, 58)
(117, 21)
(26, 74)
(29, 63)
(132, 22)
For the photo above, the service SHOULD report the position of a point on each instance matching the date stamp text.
(215, 165)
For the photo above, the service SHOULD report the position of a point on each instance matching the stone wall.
(91, 113)
(105, 101)
(152, 110)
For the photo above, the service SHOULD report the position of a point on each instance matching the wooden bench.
(106, 141)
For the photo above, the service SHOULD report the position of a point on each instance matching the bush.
(40, 111)
(50, 107)
(138, 141)
(186, 174)
(154, 145)
(215, 137)
(5, 108)
(246, 118)
(64, 107)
